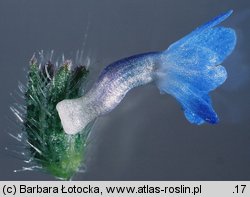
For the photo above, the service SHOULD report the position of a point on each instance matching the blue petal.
(189, 69)
(217, 20)
(193, 118)
(209, 47)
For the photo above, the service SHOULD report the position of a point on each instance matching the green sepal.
(50, 147)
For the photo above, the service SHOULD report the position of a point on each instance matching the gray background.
(147, 136)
